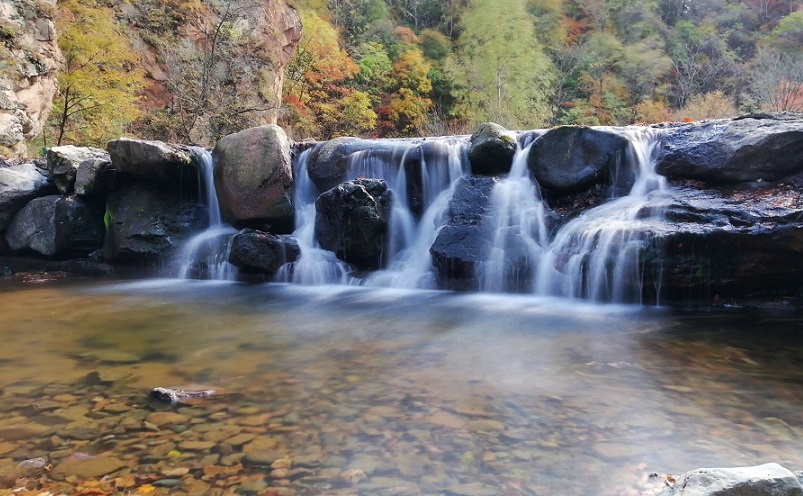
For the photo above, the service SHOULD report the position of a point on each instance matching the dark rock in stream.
(464, 241)
(571, 158)
(63, 163)
(20, 184)
(353, 221)
(170, 166)
(492, 150)
(756, 147)
(176, 396)
(256, 251)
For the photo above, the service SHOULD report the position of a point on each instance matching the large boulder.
(353, 221)
(492, 150)
(463, 242)
(755, 147)
(57, 225)
(769, 479)
(168, 165)
(20, 184)
(254, 178)
(572, 158)
(259, 252)
(146, 224)
(63, 163)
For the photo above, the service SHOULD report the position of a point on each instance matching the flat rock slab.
(770, 479)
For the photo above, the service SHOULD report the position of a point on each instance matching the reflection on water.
(385, 391)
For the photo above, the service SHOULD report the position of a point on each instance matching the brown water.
(376, 392)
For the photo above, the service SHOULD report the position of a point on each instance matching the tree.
(504, 67)
(217, 81)
(777, 80)
(99, 84)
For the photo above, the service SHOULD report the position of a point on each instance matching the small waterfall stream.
(206, 255)
(597, 255)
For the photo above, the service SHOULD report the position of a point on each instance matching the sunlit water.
(425, 392)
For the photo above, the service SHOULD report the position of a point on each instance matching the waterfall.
(206, 255)
(598, 255)
(520, 232)
(408, 261)
(315, 266)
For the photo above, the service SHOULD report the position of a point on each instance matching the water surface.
(370, 391)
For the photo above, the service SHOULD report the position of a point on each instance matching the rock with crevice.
(57, 225)
(63, 163)
(169, 166)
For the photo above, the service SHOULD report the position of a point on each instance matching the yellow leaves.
(411, 69)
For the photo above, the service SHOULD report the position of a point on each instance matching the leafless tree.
(777, 81)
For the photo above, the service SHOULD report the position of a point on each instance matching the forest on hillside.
(389, 68)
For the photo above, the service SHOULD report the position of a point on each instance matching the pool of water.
(353, 391)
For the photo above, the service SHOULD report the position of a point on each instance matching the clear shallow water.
(424, 392)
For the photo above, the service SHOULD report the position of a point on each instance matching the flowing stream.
(206, 255)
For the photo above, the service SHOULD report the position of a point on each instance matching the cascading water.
(409, 261)
(316, 266)
(206, 254)
(597, 256)
(520, 232)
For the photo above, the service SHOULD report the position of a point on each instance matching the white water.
(409, 262)
(207, 253)
(316, 266)
(597, 256)
(520, 232)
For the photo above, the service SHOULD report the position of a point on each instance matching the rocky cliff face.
(29, 61)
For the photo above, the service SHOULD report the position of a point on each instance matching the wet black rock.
(464, 240)
(175, 396)
(572, 158)
(492, 150)
(765, 147)
(94, 177)
(256, 251)
(145, 224)
(762, 480)
(56, 225)
(353, 221)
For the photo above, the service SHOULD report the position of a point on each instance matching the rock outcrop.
(169, 166)
(254, 179)
(463, 241)
(28, 85)
(571, 158)
(353, 221)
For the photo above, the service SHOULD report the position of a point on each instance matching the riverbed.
(361, 391)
